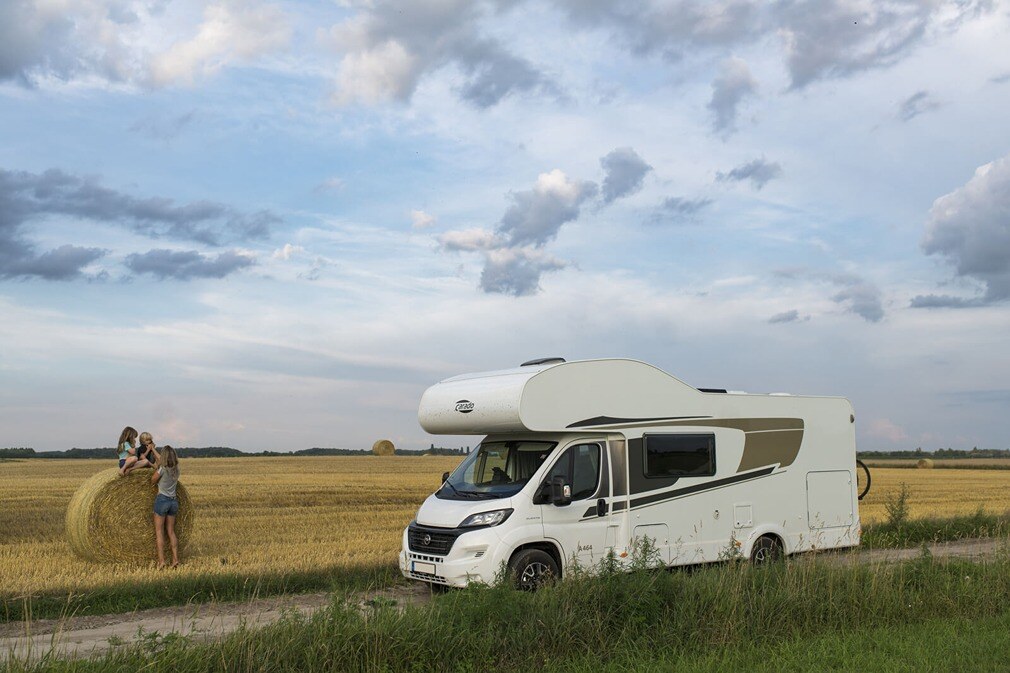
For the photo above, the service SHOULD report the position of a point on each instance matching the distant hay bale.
(925, 464)
(111, 518)
(383, 447)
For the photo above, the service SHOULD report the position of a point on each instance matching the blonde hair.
(128, 435)
(144, 436)
(169, 458)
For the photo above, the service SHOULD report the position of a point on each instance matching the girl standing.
(166, 505)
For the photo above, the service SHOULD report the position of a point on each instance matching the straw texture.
(383, 447)
(111, 518)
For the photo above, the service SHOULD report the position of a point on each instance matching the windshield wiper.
(478, 495)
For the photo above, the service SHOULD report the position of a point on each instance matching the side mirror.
(445, 477)
(561, 493)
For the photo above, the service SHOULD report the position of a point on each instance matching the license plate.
(419, 567)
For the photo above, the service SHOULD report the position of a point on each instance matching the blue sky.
(271, 225)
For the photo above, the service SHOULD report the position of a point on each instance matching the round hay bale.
(111, 518)
(383, 447)
(924, 464)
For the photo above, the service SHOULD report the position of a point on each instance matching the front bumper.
(471, 558)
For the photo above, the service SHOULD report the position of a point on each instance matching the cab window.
(580, 466)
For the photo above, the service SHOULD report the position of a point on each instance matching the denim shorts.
(165, 506)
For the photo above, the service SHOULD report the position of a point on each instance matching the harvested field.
(254, 515)
(944, 463)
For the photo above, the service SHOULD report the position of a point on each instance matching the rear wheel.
(531, 569)
(766, 550)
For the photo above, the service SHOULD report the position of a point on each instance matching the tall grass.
(603, 620)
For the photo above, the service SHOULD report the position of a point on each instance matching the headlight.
(486, 518)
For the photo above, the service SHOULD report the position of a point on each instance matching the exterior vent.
(712, 390)
(541, 361)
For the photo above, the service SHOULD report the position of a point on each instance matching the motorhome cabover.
(581, 459)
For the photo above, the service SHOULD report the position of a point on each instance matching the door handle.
(601, 507)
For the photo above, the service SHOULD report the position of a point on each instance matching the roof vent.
(542, 361)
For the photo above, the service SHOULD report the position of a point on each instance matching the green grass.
(921, 615)
(915, 532)
(168, 590)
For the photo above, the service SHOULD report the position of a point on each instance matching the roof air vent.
(541, 361)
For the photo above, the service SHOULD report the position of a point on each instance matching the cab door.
(581, 527)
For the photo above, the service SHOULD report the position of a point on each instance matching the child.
(127, 448)
(166, 505)
(147, 455)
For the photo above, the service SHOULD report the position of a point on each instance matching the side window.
(679, 455)
(580, 466)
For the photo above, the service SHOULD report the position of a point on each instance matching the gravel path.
(95, 635)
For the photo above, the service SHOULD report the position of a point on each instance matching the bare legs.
(174, 541)
(132, 464)
(159, 530)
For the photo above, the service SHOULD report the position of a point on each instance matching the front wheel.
(531, 569)
(767, 550)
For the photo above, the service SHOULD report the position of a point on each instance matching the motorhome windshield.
(495, 470)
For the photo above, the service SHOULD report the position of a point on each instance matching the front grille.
(431, 540)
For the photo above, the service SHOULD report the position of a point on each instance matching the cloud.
(513, 257)
(855, 294)
(625, 171)
(516, 271)
(970, 229)
(421, 220)
(883, 428)
(1000, 79)
(916, 104)
(24, 196)
(17, 260)
(287, 252)
(89, 41)
(786, 316)
(536, 215)
(470, 240)
(758, 171)
(729, 89)
(389, 47)
(330, 185)
(231, 31)
(188, 264)
(679, 208)
(944, 301)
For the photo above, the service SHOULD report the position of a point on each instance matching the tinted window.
(580, 466)
(679, 455)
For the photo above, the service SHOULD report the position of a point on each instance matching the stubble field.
(257, 516)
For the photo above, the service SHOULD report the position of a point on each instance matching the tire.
(532, 569)
(767, 550)
(861, 468)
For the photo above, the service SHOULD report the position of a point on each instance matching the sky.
(271, 225)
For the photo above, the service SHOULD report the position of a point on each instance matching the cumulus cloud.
(516, 271)
(421, 220)
(536, 215)
(109, 40)
(733, 84)
(759, 171)
(624, 173)
(513, 257)
(970, 229)
(883, 428)
(917, 104)
(188, 264)
(66, 262)
(388, 47)
(230, 32)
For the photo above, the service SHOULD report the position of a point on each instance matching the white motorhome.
(587, 457)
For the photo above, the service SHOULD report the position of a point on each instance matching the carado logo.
(464, 406)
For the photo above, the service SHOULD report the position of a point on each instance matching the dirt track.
(95, 635)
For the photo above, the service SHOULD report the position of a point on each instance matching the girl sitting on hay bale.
(147, 455)
(166, 505)
(127, 448)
